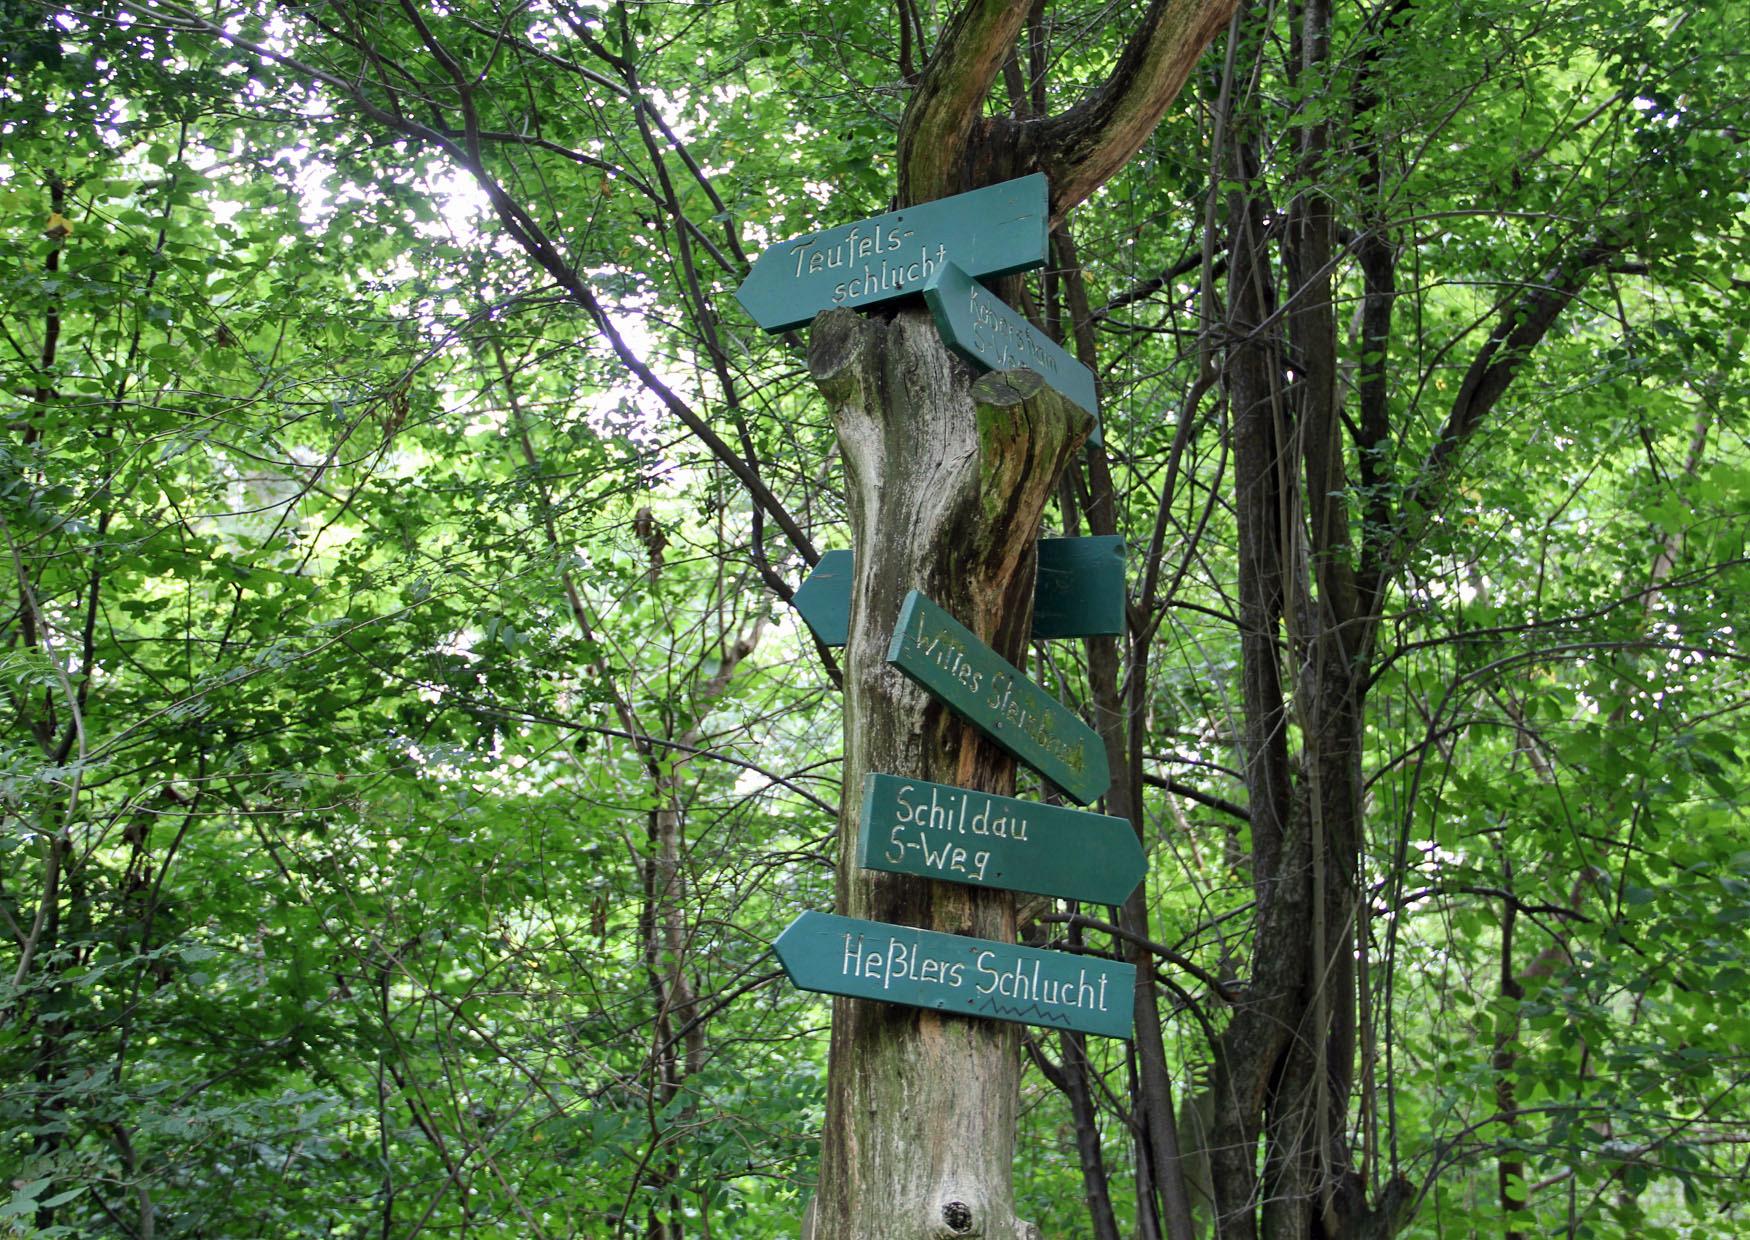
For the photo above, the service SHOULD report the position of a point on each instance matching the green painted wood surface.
(1079, 591)
(952, 973)
(824, 600)
(942, 655)
(912, 826)
(991, 231)
(976, 324)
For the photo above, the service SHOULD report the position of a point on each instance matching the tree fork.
(947, 480)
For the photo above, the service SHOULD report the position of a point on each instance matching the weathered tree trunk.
(947, 480)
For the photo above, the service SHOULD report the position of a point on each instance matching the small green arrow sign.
(988, 232)
(1079, 591)
(942, 655)
(825, 598)
(911, 826)
(954, 973)
(976, 324)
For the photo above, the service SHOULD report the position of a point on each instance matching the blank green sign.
(957, 974)
(1079, 591)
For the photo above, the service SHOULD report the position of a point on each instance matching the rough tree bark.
(947, 482)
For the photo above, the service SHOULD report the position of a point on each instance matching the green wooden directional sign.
(943, 656)
(910, 826)
(1079, 591)
(988, 232)
(825, 598)
(953, 973)
(976, 324)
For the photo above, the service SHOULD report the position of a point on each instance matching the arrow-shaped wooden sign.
(976, 324)
(1079, 591)
(942, 655)
(954, 973)
(911, 826)
(988, 232)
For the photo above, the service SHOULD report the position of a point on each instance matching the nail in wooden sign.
(989, 232)
(957, 974)
(912, 826)
(942, 655)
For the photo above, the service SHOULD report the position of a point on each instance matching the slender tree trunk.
(1248, 1049)
(1096, 1186)
(1509, 1167)
(946, 480)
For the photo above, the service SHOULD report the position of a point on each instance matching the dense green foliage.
(410, 756)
